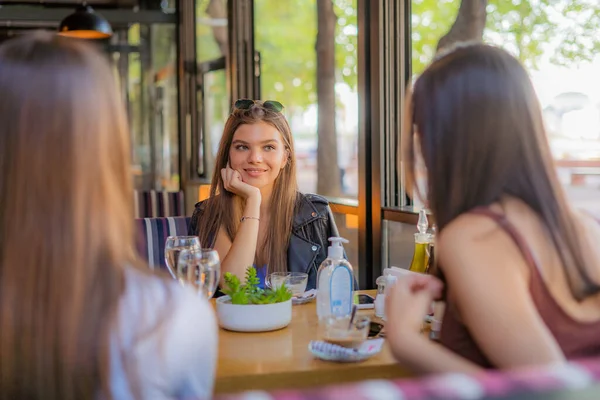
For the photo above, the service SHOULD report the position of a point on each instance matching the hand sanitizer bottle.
(335, 281)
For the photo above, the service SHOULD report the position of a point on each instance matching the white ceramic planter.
(253, 317)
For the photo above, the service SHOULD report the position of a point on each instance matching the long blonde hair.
(66, 216)
(224, 209)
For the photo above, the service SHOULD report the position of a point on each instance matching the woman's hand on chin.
(232, 181)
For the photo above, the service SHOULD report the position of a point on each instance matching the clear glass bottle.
(423, 239)
(431, 249)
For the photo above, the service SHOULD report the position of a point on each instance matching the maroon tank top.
(576, 339)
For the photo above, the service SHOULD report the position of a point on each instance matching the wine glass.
(200, 268)
(173, 247)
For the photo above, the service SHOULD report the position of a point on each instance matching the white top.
(165, 344)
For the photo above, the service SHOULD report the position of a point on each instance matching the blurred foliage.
(564, 31)
(567, 29)
(286, 33)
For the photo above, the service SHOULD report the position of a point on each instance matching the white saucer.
(307, 297)
(332, 352)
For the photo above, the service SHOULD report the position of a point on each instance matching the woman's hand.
(407, 302)
(232, 180)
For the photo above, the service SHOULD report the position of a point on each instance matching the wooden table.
(280, 359)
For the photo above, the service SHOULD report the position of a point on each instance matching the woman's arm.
(421, 355)
(407, 302)
(489, 283)
(236, 257)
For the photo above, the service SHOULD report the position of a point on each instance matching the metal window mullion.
(243, 82)
(370, 67)
(186, 84)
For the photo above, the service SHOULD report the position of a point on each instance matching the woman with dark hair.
(518, 265)
(80, 318)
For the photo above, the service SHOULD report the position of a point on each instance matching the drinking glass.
(276, 279)
(200, 268)
(347, 332)
(296, 283)
(173, 247)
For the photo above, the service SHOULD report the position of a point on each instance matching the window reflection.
(164, 87)
(145, 58)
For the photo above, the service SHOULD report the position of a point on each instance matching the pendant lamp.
(84, 23)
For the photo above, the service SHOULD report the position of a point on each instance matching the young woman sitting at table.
(78, 318)
(519, 265)
(255, 214)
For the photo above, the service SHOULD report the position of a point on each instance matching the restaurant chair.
(155, 204)
(152, 234)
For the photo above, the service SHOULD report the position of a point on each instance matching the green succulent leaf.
(250, 292)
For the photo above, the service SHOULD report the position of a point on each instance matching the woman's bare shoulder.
(466, 229)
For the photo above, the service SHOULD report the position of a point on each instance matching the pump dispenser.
(335, 282)
(336, 250)
(423, 239)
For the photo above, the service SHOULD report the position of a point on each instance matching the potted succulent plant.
(249, 308)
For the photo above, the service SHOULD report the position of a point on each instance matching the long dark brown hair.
(66, 217)
(477, 119)
(224, 209)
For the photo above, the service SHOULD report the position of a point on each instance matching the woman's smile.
(255, 172)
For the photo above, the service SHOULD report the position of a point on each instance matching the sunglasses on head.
(244, 104)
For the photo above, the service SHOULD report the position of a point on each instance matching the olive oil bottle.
(423, 245)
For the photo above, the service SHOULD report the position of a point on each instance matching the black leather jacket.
(313, 225)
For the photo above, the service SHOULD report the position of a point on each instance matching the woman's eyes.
(268, 147)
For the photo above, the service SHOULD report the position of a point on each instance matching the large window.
(308, 53)
(145, 58)
(308, 61)
(558, 43)
(143, 50)
(212, 44)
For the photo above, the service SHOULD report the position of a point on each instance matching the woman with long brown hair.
(519, 265)
(255, 215)
(77, 319)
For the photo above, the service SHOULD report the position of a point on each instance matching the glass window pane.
(165, 124)
(398, 244)
(212, 92)
(142, 167)
(144, 61)
(564, 70)
(321, 99)
(348, 227)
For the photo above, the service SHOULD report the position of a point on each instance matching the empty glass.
(173, 247)
(275, 279)
(200, 268)
(295, 281)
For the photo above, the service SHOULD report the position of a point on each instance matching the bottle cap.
(423, 223)
(336, 250)
(422, 236)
